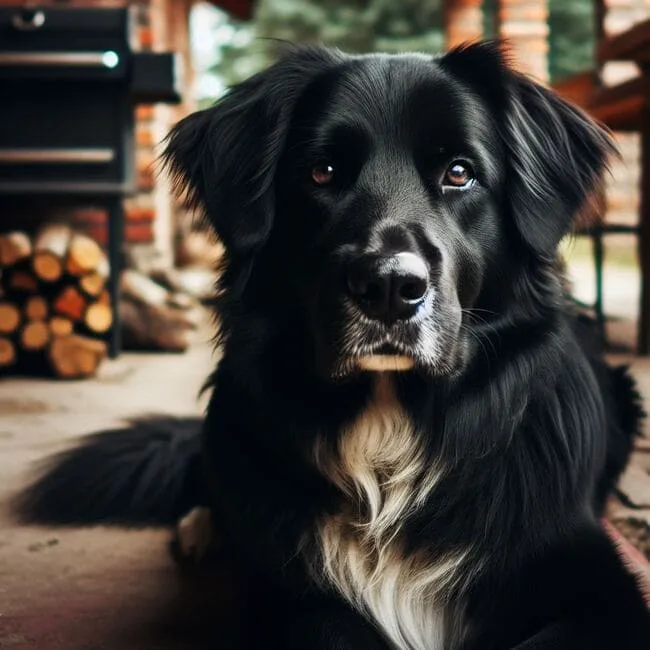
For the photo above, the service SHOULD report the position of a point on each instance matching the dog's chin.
(402, 359)
(385, 363)
(382, 362)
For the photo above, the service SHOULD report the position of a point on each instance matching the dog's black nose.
(389, 288)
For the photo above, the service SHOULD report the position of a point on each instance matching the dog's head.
(380, 201)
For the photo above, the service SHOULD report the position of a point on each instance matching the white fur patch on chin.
(385, 363)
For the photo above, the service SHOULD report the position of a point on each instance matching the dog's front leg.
(195, 537)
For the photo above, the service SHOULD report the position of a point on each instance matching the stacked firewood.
(159, 311)
(55, 308)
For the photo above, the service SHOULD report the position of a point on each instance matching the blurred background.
(225, 50)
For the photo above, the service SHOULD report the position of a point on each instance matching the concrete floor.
(100, 589)
(91, 589)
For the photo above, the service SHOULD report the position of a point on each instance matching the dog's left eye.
(322, 174)
(459, 174)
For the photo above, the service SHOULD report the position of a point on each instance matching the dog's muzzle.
(388, 291)
(388, 288)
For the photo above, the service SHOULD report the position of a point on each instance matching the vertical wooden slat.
(644, 238)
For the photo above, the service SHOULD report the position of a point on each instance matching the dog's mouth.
(425, 347)
(428, 344)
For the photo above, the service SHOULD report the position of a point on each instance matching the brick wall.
(463, 21)
(523, 23)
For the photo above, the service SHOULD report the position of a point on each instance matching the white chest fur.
(380, 468)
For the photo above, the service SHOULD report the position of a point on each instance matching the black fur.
(511, 395)
(144, 474)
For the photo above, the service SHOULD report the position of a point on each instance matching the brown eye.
(322, 174)
(458, 174)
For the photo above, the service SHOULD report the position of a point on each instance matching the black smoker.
(70, 83)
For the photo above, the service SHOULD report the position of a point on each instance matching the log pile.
(54, 305)
(56, 312)
(155, 317)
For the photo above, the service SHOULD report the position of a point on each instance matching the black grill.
(71, 81)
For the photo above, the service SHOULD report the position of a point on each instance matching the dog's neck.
(381, 469)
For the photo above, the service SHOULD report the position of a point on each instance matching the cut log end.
(7, 352)
(92, 284)
(85, 255)
(22, 282)
(70, 303)
(61, 326)
(14, 247)
(47, 266)
(9, 318)
(36, 308)
(50, 249)
(75, 357)
(98, 318)
(35, 335)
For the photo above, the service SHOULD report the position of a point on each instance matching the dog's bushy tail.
(144, 474)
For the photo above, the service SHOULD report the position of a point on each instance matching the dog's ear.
(556, 159)
(224, 158)
(556, 155)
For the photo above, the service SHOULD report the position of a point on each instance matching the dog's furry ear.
(224, 158)
(556, 155)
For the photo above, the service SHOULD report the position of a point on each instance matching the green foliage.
(354, 25)
(385, 25)
(572, 27)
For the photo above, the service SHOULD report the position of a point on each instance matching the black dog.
(409, 436)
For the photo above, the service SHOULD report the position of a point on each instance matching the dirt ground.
(103, 589)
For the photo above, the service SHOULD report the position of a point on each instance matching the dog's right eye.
(322, 174)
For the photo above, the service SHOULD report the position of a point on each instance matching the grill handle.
(108, 59)
(56, 156)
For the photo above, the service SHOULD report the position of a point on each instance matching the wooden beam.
(631, 45)
(644, 238)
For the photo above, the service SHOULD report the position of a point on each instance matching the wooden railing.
(624, 107)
